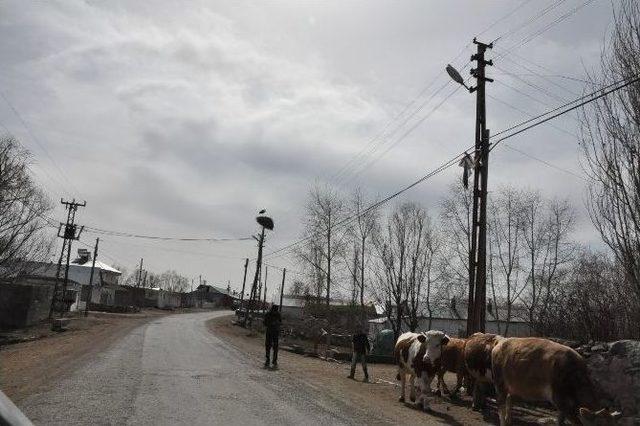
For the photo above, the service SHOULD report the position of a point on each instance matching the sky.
(184, 119)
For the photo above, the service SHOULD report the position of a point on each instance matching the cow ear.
(422, 338)
(445, 340)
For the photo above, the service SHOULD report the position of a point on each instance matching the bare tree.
(366, 224)
(610, 134)
(455, 217)
(407, 249)
(325, 239)
(506, 248)
(546, 232)
(23, 210)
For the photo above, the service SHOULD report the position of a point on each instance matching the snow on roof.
(99, 265)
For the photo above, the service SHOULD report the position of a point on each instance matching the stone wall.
(615, 367)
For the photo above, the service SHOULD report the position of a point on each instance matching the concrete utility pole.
(478, 255)
(266, 223)
(68, 235)
(284, 273)
(93, 266)
(244, 282)
(256, 277)
(140, 273)
(266, 274)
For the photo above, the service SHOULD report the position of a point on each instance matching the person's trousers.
(363, 360)
(271, 342)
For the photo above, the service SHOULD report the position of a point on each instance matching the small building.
(208, 296)
(104, 276)
(452, 319)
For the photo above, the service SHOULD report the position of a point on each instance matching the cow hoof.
(436, 392)
(401, 399)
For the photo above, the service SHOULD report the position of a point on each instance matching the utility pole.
(264, 300)
(244, 281)
(266, 275)
(93, 266)
(200, 289)
(66, 231)
(140, 273)
(284, 273)
(256, 277)
(478, 253)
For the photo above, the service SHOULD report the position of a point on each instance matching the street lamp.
(455, 76)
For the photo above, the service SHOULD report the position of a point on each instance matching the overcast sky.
(186, 118)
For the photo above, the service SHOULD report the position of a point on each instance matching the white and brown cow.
(535, 369)
(418, 355)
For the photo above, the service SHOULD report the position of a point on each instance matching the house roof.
(99, 265)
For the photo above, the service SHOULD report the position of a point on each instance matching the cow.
(452, 359)
(535, 369)
(477, 362)
(418, 354)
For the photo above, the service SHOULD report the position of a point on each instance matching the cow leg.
(459, 379)
(403, 381)
(412, 388)
(425, 382)
(478, 395)
(442, 386)
(507, 410)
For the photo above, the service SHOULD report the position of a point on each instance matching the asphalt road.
(174, 371)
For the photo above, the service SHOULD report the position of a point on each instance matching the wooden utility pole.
(244, 281)
(66, 231)
(284, 273)
(476, 311)
(93, 266)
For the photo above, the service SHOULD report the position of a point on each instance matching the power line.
(551, 165)
(37, 141)
(563, 110)
(589, 98)
(377, 204)
(94, 230)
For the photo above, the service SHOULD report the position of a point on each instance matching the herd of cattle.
(531, 369)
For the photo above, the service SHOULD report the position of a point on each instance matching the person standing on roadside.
(361, 348)
(272, 321)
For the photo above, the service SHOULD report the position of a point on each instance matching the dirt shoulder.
(379, 398)
(35, 365)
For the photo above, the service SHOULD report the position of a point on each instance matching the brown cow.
(477, 361)
(535, 369)
(452, 359)
(418, 355)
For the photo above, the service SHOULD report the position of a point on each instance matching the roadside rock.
(615, 367)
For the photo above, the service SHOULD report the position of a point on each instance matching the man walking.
(272, 322)
(361, 348)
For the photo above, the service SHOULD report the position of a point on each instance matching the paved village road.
(174, 371)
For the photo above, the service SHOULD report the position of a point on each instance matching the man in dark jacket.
(361, 348)
(272, 322)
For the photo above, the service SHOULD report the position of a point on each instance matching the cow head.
(598, 418)
(433, 341)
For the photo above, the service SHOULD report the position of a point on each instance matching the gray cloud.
(181, 120)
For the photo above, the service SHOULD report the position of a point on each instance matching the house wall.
(24, 305)
(457, 327)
